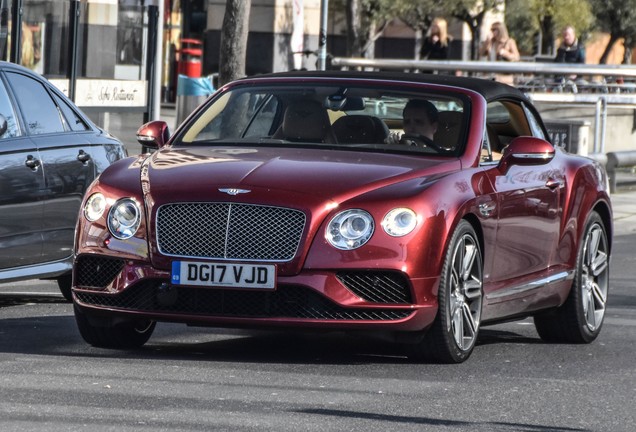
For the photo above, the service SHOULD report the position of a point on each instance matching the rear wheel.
(454, 333)
(104, 334)
(580, 318)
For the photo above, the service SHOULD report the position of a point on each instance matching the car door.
(21, 192)
(64, 144)
(528, 202)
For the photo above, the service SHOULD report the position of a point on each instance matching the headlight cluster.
(124, 216)
(351, 229)
(399, 222)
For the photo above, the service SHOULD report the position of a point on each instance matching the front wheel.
(580, 318)
(104, 334)
(65, 283)
(454, 333)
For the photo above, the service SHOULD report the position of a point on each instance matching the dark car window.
(38, 109)
(358, 117)
(72, 119)
(6, 109)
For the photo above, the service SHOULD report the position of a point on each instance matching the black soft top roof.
(489, 89)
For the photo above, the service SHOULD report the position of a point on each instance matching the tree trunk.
(547, 35)
(608, 49)
(627, 55)
(354, 28)
(233, 48)
(419, 37)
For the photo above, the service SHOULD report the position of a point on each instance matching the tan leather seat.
(360, 129)
(306, 121)
(449, 128)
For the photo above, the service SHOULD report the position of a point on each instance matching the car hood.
(278, 174)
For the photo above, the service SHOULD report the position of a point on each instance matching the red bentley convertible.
(310, 200)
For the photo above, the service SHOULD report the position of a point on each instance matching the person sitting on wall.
(570, 51)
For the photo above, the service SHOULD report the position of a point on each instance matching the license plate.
(261, 276)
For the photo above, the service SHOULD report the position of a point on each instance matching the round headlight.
(94, 207)
(350, 229)
(399, 222)
(124, 218)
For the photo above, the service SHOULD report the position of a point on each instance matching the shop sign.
(106, 93)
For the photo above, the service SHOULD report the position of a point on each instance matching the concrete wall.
(620, 129)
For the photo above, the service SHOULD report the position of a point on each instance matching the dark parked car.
(49, 154)
(291, 200)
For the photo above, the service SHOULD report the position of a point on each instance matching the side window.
(38, 109)
(71, 118)
(6, 109)
(535, 125)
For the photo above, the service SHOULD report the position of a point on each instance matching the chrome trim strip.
(558, 277)
(543, 156)
(37, 271)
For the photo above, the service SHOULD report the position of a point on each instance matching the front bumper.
(383, 300)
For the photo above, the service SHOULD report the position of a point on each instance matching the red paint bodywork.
(532, 233)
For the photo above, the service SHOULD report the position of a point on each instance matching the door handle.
(553, 183)
(32, 162)
(83, 157)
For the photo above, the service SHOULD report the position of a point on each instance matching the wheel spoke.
(471, 325)
(599, 295)
(590, 316)
(458, 327)
(469, 260)
(458, 263)
(593, 241)
(599, 264)
(472, 289)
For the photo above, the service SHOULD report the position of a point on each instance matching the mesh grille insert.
(377, 287)
(96, 271)
(229, 231)
(285, 302)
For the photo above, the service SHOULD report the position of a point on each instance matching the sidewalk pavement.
(624, 206)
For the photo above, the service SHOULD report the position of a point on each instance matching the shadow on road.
(58, 335)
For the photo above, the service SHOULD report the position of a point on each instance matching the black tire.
(580, 318)
(65, 283)
(103, 334)
(454, 333)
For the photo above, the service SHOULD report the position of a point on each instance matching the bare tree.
(234, 32)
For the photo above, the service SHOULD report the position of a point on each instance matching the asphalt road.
(193, 379)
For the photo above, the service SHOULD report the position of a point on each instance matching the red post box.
(190, 56)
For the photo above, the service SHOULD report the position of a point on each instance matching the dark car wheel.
(580, 318)
(452, 337)
(103, 334)
(64, 283)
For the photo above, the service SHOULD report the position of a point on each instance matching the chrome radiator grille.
(229, 231)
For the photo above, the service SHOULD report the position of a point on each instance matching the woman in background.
(500, 47)
(435, 45)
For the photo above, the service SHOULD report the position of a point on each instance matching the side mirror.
(3, 125)
(154, 134)
(527, 150)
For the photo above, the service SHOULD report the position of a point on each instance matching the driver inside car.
(420, 121)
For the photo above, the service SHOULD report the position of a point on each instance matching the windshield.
(340, 117)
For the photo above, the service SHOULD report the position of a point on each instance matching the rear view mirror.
(527, 150)
(154, 134)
